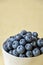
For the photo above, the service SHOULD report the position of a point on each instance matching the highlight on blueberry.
(40, 42)
(24, 44)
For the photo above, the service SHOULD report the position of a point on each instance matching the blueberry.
(29, 53)
(11, 52)
(23, 32)
(22, 55)
(28, 46)
(9, 45)
(15, 53)
(29, 34)
(40, 42)
(41, 50)
(22, 41)
(18, 37)
(15, 44)
(5, 47)
(20, 49)
(28, 39)
(11, 39)
(12, 36)
(34, 44)
(35, 34)
(36, 52)
(34, 38)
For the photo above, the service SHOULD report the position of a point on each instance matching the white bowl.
(12, 60)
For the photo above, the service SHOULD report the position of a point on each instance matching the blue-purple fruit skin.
(34, 38)
(20, 49)
(11, 39)
(29, 34)
(11, 52)
(9, 45)
(29, 53)
(28, 39)
(5, 47)
(28, 46)
(22, 42)
(36, 52)
(18, 37)
(34, 44)
(23, 32)
(22, 55)
(15, 44)
(35, 34)
(41, 50)
(40, 42)
(15, 53)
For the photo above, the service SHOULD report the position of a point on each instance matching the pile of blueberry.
(24, 44)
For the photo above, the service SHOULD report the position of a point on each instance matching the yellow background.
(16, 15)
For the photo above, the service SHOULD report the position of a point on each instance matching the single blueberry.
(22, 55)
(22, 41)
(15, 44)
(28, 46)
(5, 47)
(28, 39)
(23, 32)
(20, 49)
(15, 53)
(35, 34)
(41, 50)
(18, 37)
(36, 52)
(11, 39)
(9, 45)
(29, 53)
(40, 42)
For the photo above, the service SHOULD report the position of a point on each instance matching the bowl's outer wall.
(12, 60)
